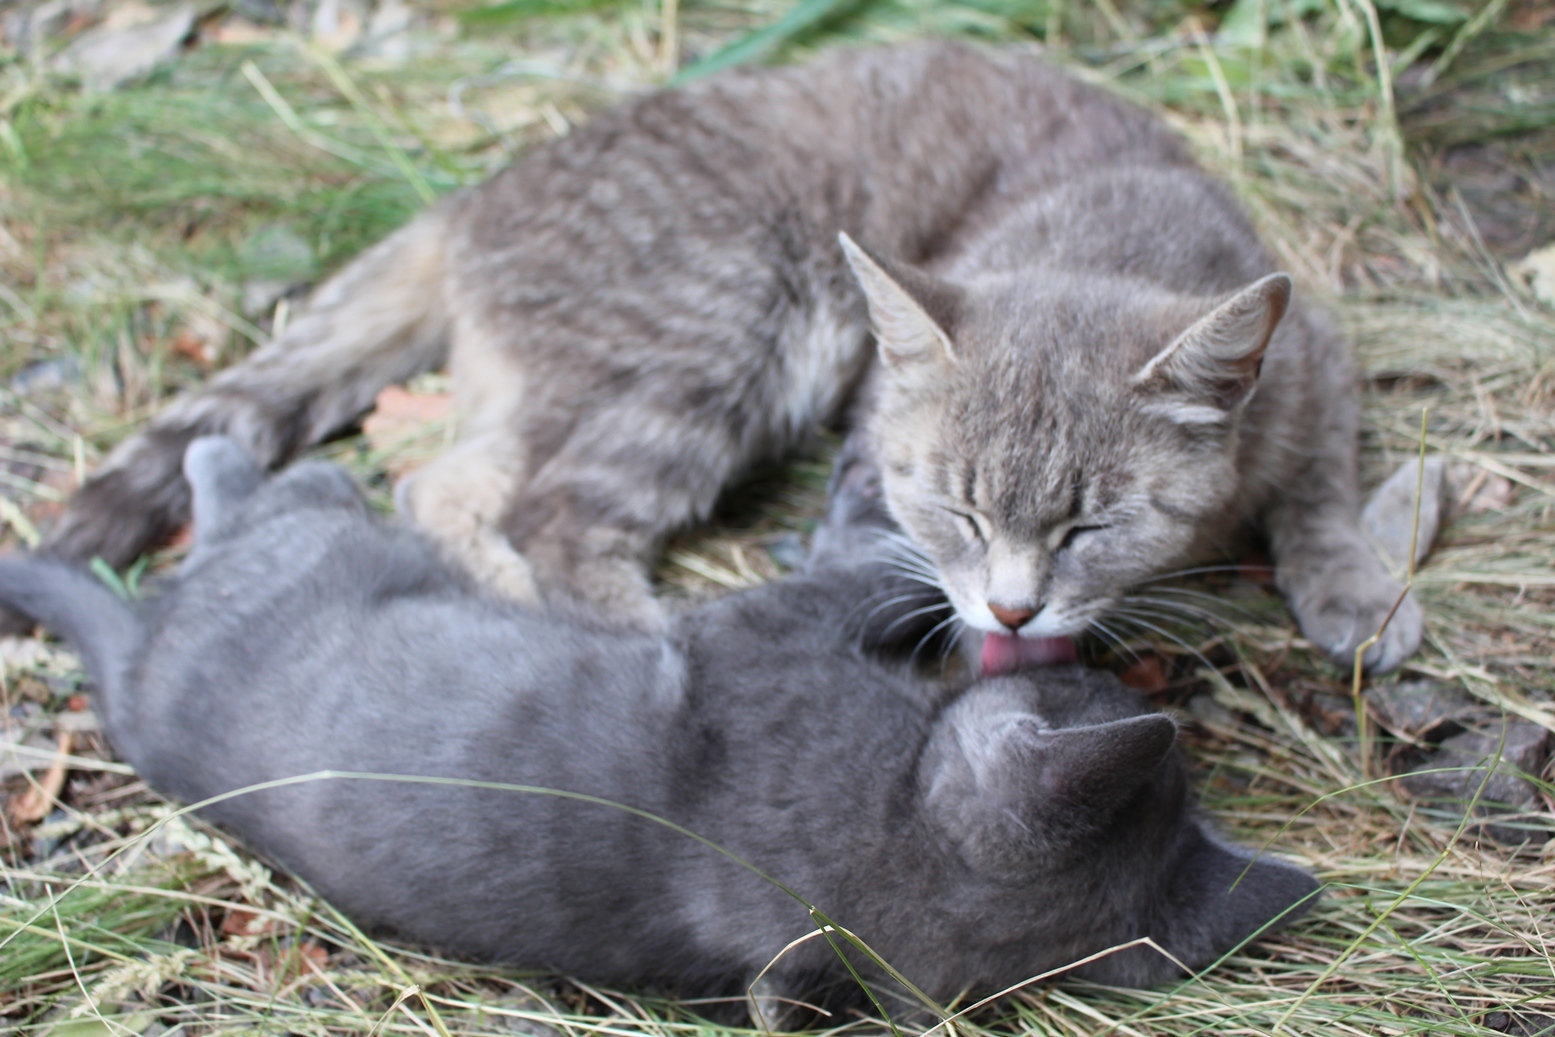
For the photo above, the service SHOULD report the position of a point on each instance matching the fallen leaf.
(401, 415)
(1146, 676)
(194, 347)
(33, 805)
(315, 953)
(242, 922)
(398, 408)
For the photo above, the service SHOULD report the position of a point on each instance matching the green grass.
(133, 225)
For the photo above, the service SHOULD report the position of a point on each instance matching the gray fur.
(973, 837)
(638, 312)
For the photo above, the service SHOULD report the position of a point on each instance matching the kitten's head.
(1052, 441)
(1069, 808)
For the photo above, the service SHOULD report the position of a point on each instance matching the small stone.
(1389, 516)
(1467, 761)
(46, 375)
(1423, 710)
(277, 252)
(127, 46)
(29, 25)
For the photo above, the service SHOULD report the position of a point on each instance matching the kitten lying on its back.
(1089, 370)
(972, 839)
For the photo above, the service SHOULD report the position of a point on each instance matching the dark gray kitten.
(973, 838)
(1090, 372)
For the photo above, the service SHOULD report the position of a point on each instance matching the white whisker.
(1140, 621)
(913, 658)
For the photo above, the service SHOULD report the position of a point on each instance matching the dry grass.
(131, 224)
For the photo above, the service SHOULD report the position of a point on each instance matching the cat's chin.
(1005, 653)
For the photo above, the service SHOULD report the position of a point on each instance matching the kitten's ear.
(1215, 363)
(909, 309)
(221, 475)
(1010, 791)
(1216, 898)
(1223, 896)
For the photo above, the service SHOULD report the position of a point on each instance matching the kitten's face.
(1052, 445)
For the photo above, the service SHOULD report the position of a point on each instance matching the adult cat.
(1090, 372)
(972, 837)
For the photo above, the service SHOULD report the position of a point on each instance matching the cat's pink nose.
(1012, 618)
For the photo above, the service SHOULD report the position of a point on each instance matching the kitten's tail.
(74, 604)
(379, 321)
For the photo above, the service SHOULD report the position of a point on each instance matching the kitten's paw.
(609, 589)
(1341, 619)
(857, 497)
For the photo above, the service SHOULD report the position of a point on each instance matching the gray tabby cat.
(1088, 374)
(972, 837)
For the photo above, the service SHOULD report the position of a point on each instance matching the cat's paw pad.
(1340, 623)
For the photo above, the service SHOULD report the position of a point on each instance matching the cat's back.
(899, 145)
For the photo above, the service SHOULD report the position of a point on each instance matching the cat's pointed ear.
(909, 309)
(1009, 791)
(1211, 369)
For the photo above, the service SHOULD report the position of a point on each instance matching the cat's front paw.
(1340, 618)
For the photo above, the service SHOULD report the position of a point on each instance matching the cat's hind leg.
(461, 497)
(379, 321)
(614, 486)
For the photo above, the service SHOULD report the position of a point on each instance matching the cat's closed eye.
(974, 527)
(1066, 535)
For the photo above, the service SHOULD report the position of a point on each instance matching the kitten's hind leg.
(1339, 589)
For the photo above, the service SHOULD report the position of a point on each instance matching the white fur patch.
(1185, 413)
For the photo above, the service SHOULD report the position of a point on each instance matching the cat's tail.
(74, 604)
(379, 321)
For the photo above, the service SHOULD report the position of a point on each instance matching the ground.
(177, 175)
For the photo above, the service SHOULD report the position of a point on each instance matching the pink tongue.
(1003, 653)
